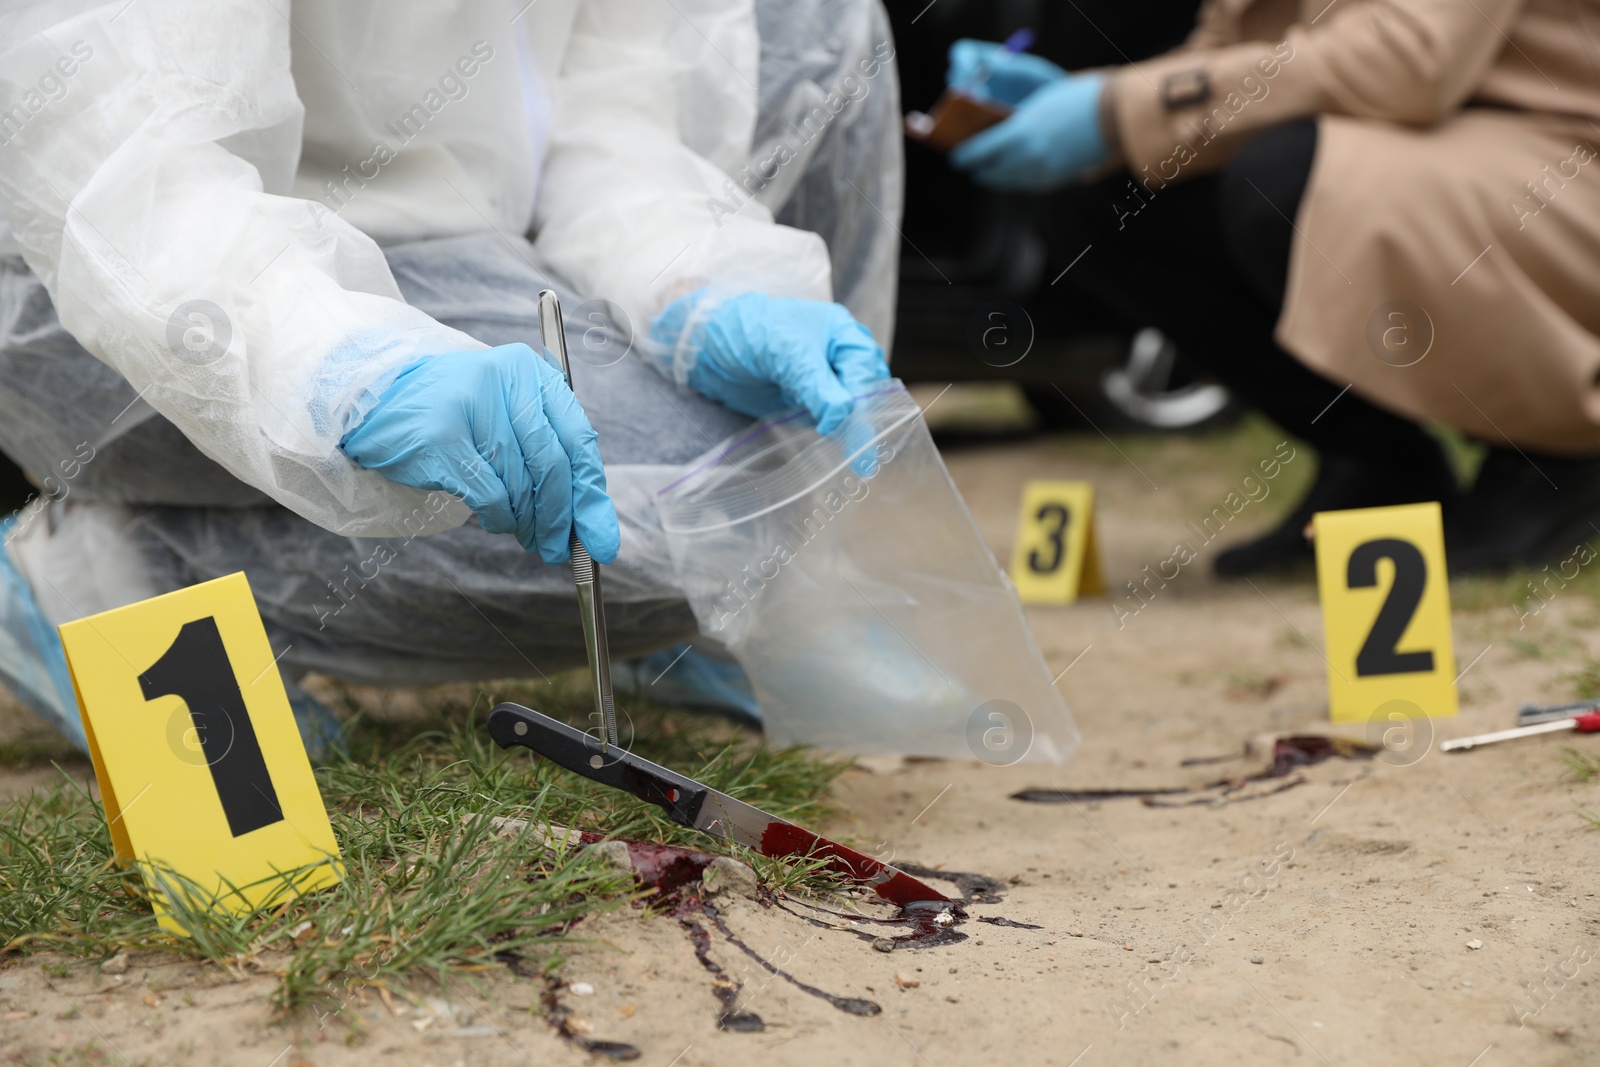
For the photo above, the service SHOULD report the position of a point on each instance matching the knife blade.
(691, 803)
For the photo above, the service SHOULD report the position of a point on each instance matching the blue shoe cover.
(33, 665)
(319, 730)
(683, 676)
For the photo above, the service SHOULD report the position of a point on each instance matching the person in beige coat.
(1361, 215)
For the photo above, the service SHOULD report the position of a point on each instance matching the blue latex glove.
(759, 354)
(1051, 139)
(498, 428)
(989, 70)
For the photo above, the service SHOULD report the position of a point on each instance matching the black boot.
(1524, 509)
(1344, 482)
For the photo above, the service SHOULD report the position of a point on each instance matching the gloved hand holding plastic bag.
(846, 575)
(759, 354)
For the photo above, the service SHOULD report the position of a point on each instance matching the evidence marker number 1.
(200, 764)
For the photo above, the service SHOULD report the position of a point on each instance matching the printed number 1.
(196, 667)
(1378, 655)
(1056, 538)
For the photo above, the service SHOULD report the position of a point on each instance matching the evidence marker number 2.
(1385, 599)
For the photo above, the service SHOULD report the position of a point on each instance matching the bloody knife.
(690, 803)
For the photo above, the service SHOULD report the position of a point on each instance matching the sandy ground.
(1389, 911)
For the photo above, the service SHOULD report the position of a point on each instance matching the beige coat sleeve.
(1410, 61)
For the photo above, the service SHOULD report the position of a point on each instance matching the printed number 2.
(1378, 655)
(196, 668)
(1057, 539)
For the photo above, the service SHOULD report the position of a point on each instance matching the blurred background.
(976, 272)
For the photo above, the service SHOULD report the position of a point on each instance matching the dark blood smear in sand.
(1288, 754)
(667, 867)
(927, 931)
(920, 904)
(672, 870)
(1302, 750)
(677, 873)
(726, 989)
(559, 1018)
(1072, 796)
(852, 1005)
(975, 888)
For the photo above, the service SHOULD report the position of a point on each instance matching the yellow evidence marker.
(1385, 610)
(200, 764)
(1055, 560)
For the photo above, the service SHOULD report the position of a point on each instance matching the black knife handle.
(566, 746)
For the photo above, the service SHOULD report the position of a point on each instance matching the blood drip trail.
(677, 874)
(560, 1019)
(725, 988)
(930, 917)
(932, 924)
(926, 929)
(850, 1005)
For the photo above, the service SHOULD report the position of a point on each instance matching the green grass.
(1585, 680)
(430, 890)
(1252, 684)
(1508, 593)
(1462, 453)
(1527, 647)
(36, 748)
(1584, 767)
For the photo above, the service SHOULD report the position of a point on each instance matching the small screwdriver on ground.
(1529, 714)
(1583, 724)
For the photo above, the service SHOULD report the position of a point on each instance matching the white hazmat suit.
(232, 222)
(247, 157)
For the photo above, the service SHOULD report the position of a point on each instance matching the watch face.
(1186, 88)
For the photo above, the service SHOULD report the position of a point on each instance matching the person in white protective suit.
(268, 274)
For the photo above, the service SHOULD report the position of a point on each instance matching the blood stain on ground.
(725, 988)
(1289, 754)
(850, 1005)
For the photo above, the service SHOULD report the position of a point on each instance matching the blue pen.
(1019, 41)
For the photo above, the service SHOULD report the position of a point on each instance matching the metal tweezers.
(585, 572)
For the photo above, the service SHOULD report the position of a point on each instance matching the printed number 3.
(1378, 655)
(1056, 538)
(196, 668)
